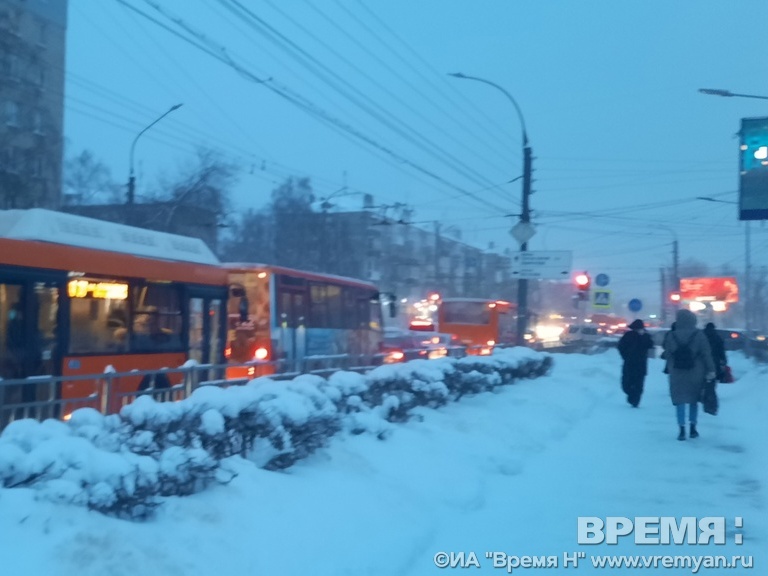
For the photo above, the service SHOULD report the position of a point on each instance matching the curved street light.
(747, 240)
(131, 177)
(522, 231)
(728, 94)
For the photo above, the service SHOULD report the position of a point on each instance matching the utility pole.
(525, 218)
(664, 297)
(676, 266)
(523, 231)
(747, 288)
(437, 285)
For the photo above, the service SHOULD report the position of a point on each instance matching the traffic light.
(583, 282)
(674, 297)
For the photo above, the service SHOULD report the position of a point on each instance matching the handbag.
(709, 398)
(727, 375)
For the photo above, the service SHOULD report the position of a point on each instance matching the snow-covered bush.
(124, 464)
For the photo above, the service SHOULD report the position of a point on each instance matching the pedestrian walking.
(717, 347)
(634, 347)
(663, 352)
(690, 364)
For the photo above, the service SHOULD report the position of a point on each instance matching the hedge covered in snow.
(123, 464)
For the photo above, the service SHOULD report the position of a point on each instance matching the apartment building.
(32, 59)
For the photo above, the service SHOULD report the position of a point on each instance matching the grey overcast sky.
(622, 140)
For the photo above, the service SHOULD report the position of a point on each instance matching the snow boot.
(694, 433)
(681, 436)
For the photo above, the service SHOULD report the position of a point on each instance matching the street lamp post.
(747, 239)
(131, 177)
(523, 231)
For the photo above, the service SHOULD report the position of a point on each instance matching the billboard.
(753, 169)
(709, 289)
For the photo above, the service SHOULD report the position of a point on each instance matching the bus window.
(12, 332)
(98, 316)
(476, 313)
(334, 304)
(157, 318)
(214, 319)
(318, 307)
(47, 325)
(196, 320)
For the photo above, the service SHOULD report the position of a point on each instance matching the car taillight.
(397, 355)
(261, 353)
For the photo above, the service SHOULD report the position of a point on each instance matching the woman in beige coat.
(687, 382)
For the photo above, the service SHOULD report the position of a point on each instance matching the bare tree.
(89, 181)
(196, 203)
(296, 225)
(250, 238)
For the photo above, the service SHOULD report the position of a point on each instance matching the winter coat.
(717, 347)
(634, 348)
(685, 386)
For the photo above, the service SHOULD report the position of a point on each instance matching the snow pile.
(123, 464)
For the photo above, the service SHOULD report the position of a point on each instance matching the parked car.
(733, 339)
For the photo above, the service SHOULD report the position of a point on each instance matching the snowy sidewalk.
(507, 472)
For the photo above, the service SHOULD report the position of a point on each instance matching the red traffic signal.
(674, 296)
(582, 281)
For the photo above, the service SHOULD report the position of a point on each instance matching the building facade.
(32, 60)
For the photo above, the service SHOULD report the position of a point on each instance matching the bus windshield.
(476, 313)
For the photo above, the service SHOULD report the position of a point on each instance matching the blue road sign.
(635, 305)
(602, 279)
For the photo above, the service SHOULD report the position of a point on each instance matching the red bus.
(478, 323)
(78, 295)
(284, 316)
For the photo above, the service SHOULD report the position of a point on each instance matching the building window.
(37, 122)
(13, 67)
(10, 160)
(43, 34)
(11, 113)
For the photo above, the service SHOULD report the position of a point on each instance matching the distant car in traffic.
(581, 334)
(405, 345)
(733, 339)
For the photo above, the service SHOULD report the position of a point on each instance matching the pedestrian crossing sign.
(601, 299)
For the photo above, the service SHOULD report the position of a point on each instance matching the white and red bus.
(283, 316)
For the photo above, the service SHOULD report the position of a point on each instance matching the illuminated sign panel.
(753, 169)
(709, 289)
(100, 290)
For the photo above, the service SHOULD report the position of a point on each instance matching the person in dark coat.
(634, 346)
(686, 384)
(717, 347)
